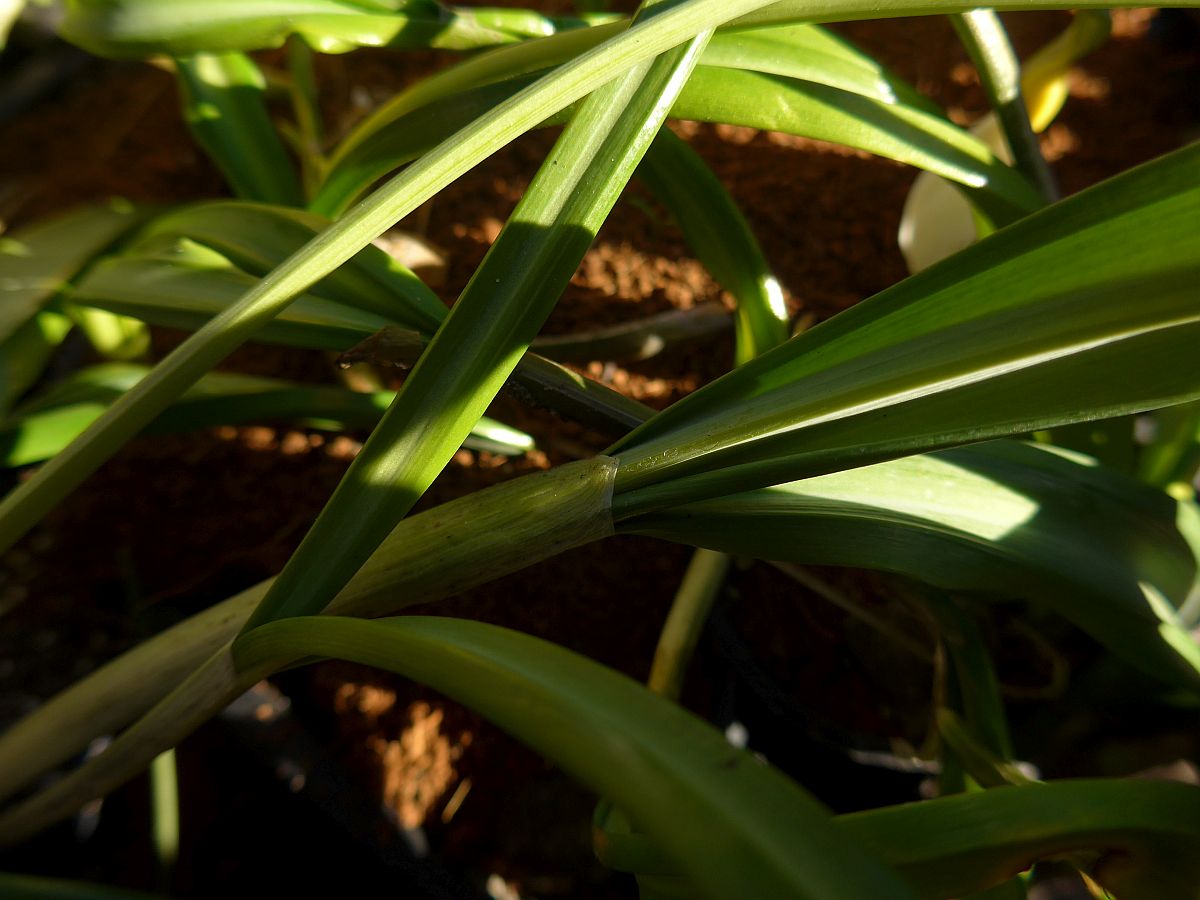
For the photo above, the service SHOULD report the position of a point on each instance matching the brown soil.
(175, 523)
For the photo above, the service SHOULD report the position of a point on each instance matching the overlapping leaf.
(1083, 311)
(490, 327)
(998, 519)
(36, 264)
(223, 104)
(404, 193)
(733, 824)
(44, 426)
(756, 80)
(138, 28)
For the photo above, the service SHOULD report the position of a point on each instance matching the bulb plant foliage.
(930, 432)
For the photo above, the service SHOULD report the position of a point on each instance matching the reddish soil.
(175, 523)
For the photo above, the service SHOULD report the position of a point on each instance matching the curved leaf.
(36, 263)
(257, 237)
(721, 239)
(831, 106)
(1031, 327)
(223, 104)
(182, 292)
(733, 824)
(44, 426)
(490, 327)
(998, 519)
(1145, 836)
(139, 28)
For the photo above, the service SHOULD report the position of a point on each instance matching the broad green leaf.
(998, 519)
(721, 239)
(830, 106)
(734, 825)
(139, 28)
(43, 426)
(223, 104)
(489, 329)
(1145, 836)
(1030, 328)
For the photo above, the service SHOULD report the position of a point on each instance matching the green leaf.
(258, 237)
(1147, 834)
(223, 104)
(488, 330)
(186, 291)
(721, 239)
(811, 53)
(43, 426)
(188, 667)
(748, 85)
(36, 263)
(733, 824)
(10, 11)
(1030, 328)
(33, 887)
(26, 351)
(998, 519)
(139, 28)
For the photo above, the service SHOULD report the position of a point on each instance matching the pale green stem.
(986, 42)
(685, 622)
(164, 798)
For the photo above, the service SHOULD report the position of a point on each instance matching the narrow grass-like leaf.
(829, 107)
(488, 331)
(721, 239)
(48, 423)
(405, 192)
(734, 825)
(1030, 328)
(223, 104)
(999, 519)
